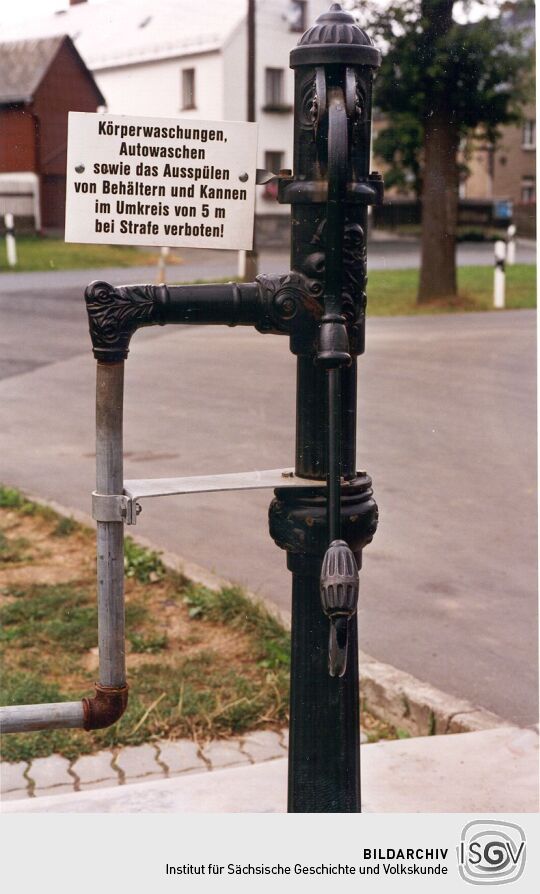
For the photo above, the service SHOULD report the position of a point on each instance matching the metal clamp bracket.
(115, 508)
(125, 507)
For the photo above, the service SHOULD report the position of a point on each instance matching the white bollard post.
(11, 245)
(511, 244)
(242, 264)
(499, 281)
(162, 265)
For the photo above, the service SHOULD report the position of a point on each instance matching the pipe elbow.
(105, 707)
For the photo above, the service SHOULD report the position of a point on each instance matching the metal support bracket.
(115, 508)
(125, 507)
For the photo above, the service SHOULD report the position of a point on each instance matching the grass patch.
(64, 527)
(231, 606)
(393, 292)
(201, 664)
(10, 498)
(49, 253)
(150, 644)
(142, 564)
(403, 733)
(14, 549)
(201, 676)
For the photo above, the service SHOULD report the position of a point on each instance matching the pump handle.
(339, 573)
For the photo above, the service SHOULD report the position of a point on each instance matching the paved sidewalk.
(495, 771)
(54, 775)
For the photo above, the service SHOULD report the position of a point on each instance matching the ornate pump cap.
(335, 38)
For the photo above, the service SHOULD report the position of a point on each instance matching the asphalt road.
(447, 429)
(384, 254)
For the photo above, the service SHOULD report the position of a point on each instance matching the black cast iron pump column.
(326, 514)
(329, 193)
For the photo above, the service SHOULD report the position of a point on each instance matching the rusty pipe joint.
(105, 707)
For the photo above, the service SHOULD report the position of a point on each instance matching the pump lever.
(339, 574)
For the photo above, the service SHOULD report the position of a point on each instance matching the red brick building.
(40, 82)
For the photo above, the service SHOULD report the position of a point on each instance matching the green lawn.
(37, 253)
(393, 292)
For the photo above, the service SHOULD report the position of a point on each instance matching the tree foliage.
(477, 72)
(398, 146)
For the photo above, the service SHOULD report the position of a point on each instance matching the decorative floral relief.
(354, 267)
(310, 105)
(114, 314)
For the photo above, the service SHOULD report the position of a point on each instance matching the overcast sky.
(28, 9)
(21, 10)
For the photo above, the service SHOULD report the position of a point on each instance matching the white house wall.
(233, 86)
(155, 88)
(274, 44)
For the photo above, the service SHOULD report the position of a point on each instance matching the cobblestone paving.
(56, 775)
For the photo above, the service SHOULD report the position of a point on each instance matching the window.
(528, 134)
(528, 190)
(275, 91)
(296, 15)
(188, 88)
(274, 86)
(273, 161)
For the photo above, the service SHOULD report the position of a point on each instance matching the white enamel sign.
(160, 181)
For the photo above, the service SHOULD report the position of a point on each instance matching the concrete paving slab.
(18, 794)
(136, 761)
(12, 777)
(495, 771)
(51, 772)
(224, 754)
(95, 769)
(181, 757)
(253, 788)
(263, 745)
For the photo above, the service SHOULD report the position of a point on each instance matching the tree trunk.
(440, 192)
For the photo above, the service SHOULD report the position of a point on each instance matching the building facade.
(507, 170)
(173, 58)
(40, 82)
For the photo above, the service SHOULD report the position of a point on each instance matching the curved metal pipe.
(110, 699)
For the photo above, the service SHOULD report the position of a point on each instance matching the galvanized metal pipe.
(110, 568)
(110, 535)
(28, 718)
